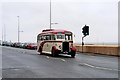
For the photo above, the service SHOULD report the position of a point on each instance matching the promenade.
(100, 49)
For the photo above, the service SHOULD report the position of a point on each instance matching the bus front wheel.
(73, 54)
(40, 51)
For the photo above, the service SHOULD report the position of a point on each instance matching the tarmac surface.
(25, 63)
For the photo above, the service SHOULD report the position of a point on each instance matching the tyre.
(53, 52)
(73, 54)
(40, 51)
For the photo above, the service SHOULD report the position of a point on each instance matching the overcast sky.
(100, 15)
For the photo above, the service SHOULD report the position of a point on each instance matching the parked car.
(25, 45)
(32, 46)
(9, 43)
(14, 44)
(21, 45)
(17, 45)
(4, 43)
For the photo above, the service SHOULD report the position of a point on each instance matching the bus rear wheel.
(53, 52)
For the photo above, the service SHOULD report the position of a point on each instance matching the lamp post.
(18, 29)
(4, 33)
(51, 17)
(50, 14)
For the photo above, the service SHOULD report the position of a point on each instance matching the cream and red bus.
(54, 42)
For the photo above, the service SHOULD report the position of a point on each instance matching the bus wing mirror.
(74, 35)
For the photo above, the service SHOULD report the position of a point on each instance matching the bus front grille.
(65, 46)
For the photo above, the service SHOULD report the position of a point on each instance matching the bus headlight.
(55, 44)
(60, 46)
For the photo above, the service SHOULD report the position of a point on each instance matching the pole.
(4, 33)
(50, 14)
(82, 43)
(18, 29)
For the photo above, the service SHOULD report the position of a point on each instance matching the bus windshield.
(68, 37)
(60, 36)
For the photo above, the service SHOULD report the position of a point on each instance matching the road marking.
(47, 57)
(56, 58)
(116, 70)
(16, 69)
(63, 60)
(104, 68)
(89, 65)
(60, 59)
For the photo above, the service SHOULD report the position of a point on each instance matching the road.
(24, 63)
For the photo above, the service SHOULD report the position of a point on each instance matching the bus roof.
(54, 31)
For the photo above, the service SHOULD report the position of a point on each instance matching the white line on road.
(56, 58)
(89, 65)
(99, 67)
(63, 60)
(47, 57)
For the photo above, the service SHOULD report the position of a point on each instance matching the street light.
(50, 17)
(50, 14)
(18, 30)
(53, 23)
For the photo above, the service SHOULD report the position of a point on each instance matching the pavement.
(25, 63)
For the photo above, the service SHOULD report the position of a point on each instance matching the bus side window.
(37, 37)
(42, 37)
(53, 37)
(48, 37)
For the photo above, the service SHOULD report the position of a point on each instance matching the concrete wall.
(101, 49)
